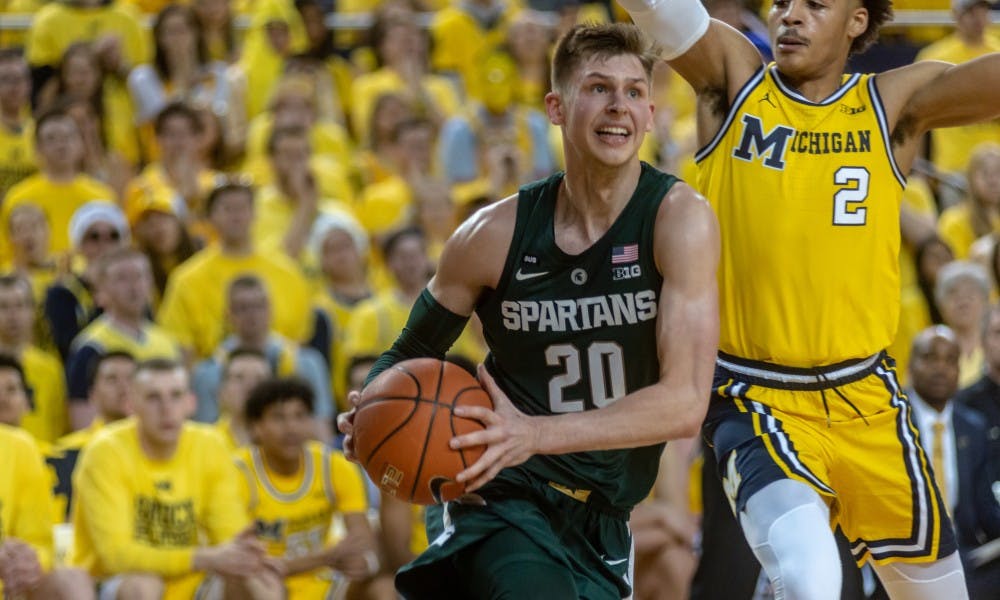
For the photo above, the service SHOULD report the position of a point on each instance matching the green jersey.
(569, 333)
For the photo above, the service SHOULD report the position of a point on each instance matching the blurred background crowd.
(191, 181)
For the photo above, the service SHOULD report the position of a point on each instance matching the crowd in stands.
(208, 232)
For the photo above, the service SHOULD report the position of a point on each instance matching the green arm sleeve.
(430, 331)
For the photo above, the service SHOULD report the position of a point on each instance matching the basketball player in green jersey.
(597, 293)
(805, 168)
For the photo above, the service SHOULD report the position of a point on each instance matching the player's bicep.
(721, 59)
(947, 95)
(687, 251)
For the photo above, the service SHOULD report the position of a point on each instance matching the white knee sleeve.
(787, 526)
(925, 581)
(675, 25)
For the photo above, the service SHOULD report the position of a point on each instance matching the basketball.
(404, 422)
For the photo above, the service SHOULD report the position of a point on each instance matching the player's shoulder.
(488, 227)
(17, 438)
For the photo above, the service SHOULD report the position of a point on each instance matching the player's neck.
(280, 465)
(816, 87)
(590, 200)
(157, 451)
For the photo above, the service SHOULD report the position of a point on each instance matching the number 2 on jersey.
(845, 201)
(605, 370)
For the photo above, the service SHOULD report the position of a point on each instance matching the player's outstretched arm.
(687, 253)
(715, 59)
(932, 94)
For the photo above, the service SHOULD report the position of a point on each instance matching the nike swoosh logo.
(612, 563)
(522, 276)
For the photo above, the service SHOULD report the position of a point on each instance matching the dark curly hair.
(879, 13)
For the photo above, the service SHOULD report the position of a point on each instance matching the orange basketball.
(403, 425)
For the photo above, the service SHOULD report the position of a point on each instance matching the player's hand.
(355, 557)
(511, 436)
(345, 424)
(20, 570)
(243, 556)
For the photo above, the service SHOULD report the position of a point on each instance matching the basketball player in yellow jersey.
(294, 486)
(805, 167)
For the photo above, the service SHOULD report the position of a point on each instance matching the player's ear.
(858, 24)
(555, 108)
(652, 113)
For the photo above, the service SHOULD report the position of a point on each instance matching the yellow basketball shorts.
(845, 430)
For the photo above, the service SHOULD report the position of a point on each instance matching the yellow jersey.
(293, 514)
(807, 195)
(134, 514)
(48, 418)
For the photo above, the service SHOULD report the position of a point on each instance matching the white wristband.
(675, 25)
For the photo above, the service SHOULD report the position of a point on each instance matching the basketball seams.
(401, 414)
(394, 431)
(430, 426)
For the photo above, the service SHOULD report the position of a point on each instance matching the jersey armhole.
(741, 97)
(883, 125)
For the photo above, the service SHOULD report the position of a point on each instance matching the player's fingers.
(483, 437)
(472, 472)
(479, 413)
(353, 398)
(490, 385)
(345, 422)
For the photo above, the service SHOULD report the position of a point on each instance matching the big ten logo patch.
(625, 272)
(391, 478)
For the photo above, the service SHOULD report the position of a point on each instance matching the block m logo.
(753, 142)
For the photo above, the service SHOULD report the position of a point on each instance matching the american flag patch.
(624, 254)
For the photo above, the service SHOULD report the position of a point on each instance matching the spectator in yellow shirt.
(61, 187)
(157, 504)
(463, 34)
(124, 289)
(161, 235)
(951, 147)
(47, 417)
(81, 78)
(17, 148)
(293, 105)
(180, 171)
(109, 392)
(979, 213)
(193, 307)
(114, 27)
(962, 292)
(287, 209)
(402, 47)
(294, 486)
(26, 544)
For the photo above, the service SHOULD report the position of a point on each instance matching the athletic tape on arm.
(675, 25)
